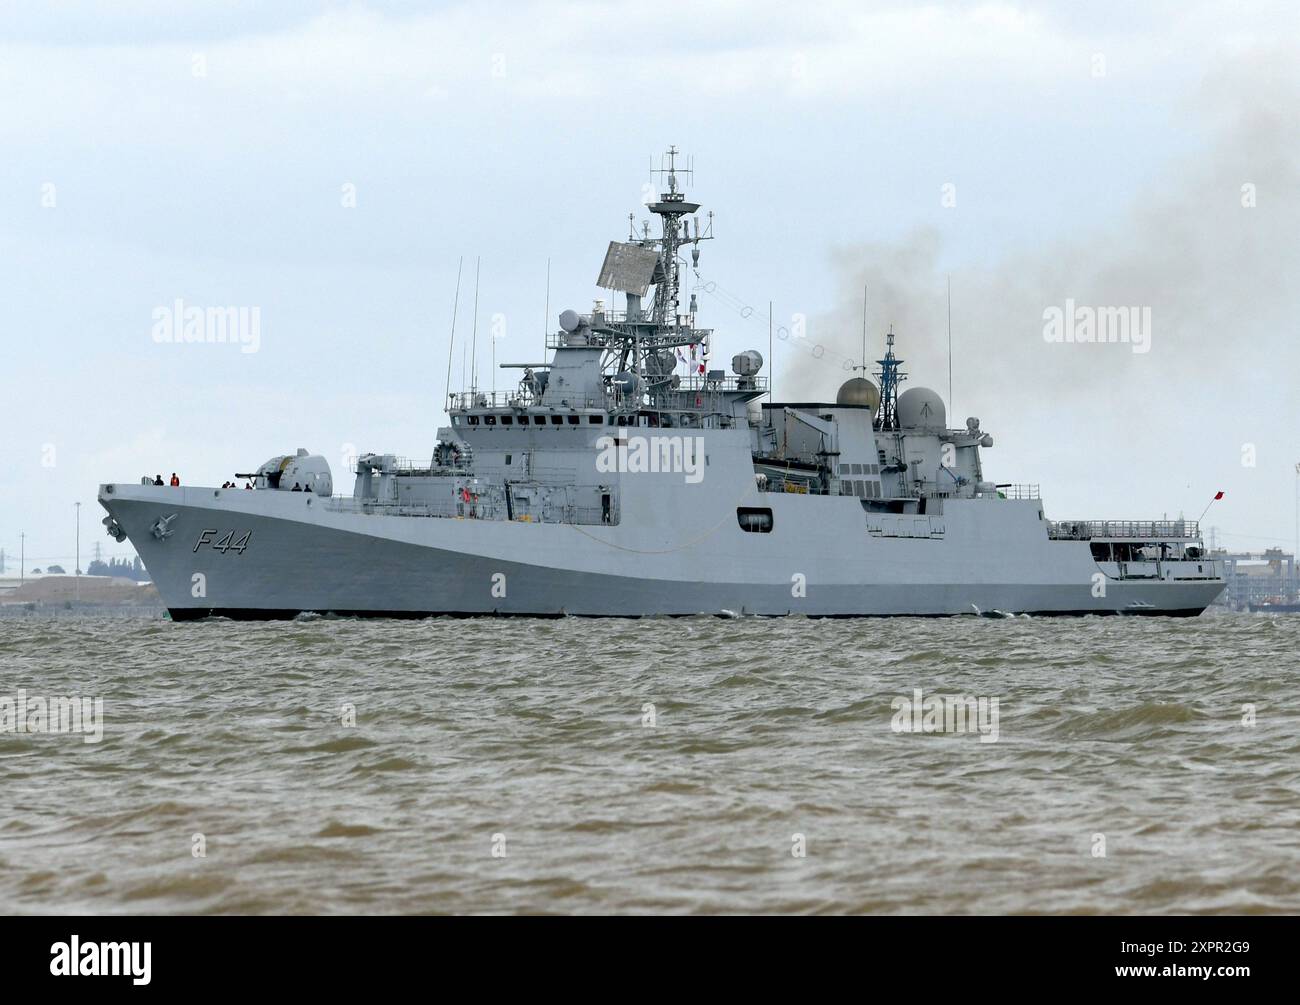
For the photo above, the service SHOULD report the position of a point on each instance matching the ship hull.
(265, 555)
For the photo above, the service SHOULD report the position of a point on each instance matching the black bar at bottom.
(929, 955)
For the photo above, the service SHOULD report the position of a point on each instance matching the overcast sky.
(330, 163)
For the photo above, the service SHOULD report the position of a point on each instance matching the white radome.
(921, 408)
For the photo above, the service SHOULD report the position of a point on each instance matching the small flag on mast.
(1217, 496)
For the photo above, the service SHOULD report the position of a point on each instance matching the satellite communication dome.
(859, 391)
(747, 363)
(921, 408)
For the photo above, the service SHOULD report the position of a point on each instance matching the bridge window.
(507, 420)
(557, 420)
(490, 420)
(523, 420)
(596, 420)
(473, 420)
(573, 420)
(754, 519)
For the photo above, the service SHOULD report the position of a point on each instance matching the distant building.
(1260, 579)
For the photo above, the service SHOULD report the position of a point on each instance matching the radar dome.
(921, 408)
(859, 391)
(747, 363)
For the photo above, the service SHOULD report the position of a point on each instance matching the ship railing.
(502, 400)
(489, 399)
(692, 394)
(613, 326)
(1141, 530)
(408, 466)
(705, 385)
(1018, 492)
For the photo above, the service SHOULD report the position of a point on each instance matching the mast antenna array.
(674, 212)
(890, 374)
(648, 339)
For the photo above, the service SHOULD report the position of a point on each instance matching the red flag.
(1218, 496)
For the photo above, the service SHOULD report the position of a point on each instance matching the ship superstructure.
(627, 476)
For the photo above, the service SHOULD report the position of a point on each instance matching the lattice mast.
(890, 375)
(646, 261)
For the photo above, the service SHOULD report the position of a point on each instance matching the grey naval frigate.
(627, 477)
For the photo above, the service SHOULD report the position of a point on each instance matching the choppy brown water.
(1131, 728)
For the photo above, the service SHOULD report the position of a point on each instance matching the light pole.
(22, 559)
(76, 580)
